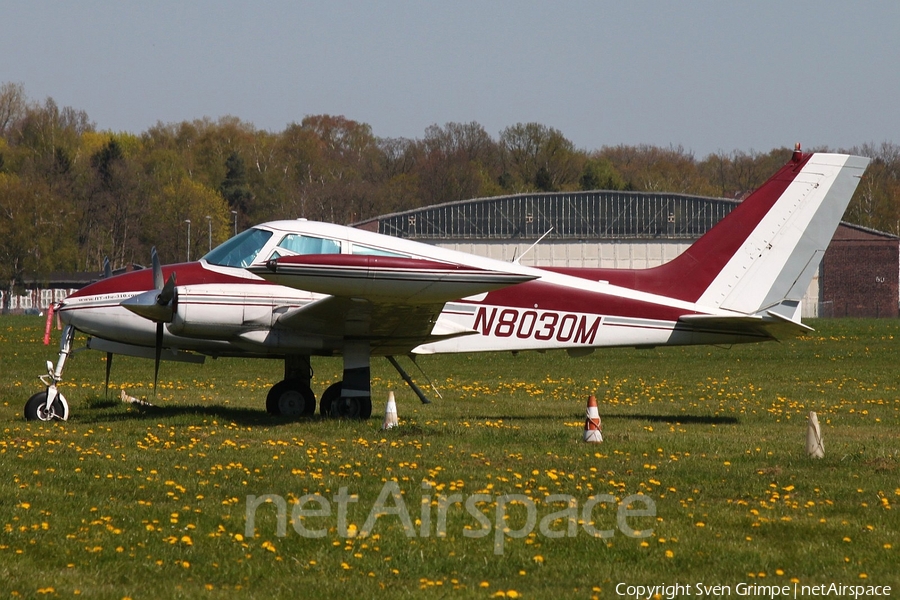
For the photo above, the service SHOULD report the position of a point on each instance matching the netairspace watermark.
(670, 591)
(311, 514)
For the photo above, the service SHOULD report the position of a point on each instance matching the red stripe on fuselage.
(539, 295)
(191, 273)
(688, 275)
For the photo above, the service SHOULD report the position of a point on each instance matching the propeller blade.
(107, 268)
(157, 269)
(159, 342)
(168, 291)
(109, 356)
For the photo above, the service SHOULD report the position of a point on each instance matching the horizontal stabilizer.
(772, 326)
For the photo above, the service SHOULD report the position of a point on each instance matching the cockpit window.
(295, 243)
(239, 251)
(369, 251)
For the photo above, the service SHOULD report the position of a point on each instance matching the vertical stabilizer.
(778, 259)
(763, 255)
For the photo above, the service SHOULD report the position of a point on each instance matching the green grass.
(151, 502)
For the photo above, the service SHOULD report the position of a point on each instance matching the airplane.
(294, 290)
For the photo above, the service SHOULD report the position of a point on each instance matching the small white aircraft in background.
(292, 290)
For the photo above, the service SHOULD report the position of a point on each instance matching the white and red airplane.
(292, 290)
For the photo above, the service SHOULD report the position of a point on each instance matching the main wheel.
(291, 398)
(333, 404)
(36, 408)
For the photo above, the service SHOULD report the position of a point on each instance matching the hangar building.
(859, 275)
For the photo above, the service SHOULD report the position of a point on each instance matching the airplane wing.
(384, 279)
(393, 302)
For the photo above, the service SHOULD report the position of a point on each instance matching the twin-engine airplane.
(292, 290)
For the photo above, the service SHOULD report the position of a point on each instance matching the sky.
(708, 76)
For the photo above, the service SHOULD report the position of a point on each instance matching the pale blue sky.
(707, 75)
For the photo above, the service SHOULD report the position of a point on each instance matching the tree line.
(72, 195)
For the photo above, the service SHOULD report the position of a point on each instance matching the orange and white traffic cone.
(390, 413)
(593, 430)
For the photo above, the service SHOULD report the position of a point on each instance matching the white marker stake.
(814, 446)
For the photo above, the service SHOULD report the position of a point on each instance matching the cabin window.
(295, 243)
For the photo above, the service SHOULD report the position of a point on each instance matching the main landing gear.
(294, 398)
(350, 398)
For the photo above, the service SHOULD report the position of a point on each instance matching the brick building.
(859, 274)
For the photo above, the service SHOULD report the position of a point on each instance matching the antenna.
(539, 240)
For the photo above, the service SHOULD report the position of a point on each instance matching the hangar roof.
(591, 215)
(571, 215)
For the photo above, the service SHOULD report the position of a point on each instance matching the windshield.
(239, 251)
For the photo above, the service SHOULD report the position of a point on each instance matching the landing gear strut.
(51, 404)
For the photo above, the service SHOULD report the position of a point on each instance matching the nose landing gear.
(51, 404)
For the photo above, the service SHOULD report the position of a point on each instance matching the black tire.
(332, 393)
(334, 405)
(34, 408)
(291, 398)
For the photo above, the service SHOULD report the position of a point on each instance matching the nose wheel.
(38, 409)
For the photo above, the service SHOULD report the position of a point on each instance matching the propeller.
(157, 305)
(107, 273)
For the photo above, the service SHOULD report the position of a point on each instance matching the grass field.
(151, 502)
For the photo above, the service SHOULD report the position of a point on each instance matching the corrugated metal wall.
(571, 215)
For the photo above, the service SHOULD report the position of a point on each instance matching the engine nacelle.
(211, 312)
